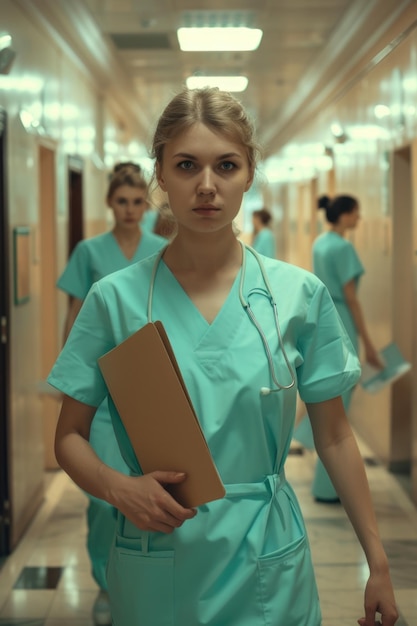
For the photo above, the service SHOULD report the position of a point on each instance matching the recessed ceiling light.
(219, 39)
(225, 83)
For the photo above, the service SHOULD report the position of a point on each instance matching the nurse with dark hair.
(263, 237)
(337, 264)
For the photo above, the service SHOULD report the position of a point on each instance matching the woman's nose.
(206, 183)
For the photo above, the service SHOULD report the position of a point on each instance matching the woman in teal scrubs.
(336, 263)
(263, 240)
(243, 560)
(92, 259)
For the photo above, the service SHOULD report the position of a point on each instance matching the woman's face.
(128, 205)
(351, 219)
(205, 176)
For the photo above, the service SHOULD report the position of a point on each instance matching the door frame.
(403, 325)
(5, 507)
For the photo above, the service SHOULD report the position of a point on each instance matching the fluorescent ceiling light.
(219, 39)
(381, 111)
(225, 83)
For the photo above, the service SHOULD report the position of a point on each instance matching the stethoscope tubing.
(267, 293)
(245, 304)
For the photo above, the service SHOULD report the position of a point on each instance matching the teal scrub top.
(243, 560)
(99, 256)
(91, 260)
(264, 243)
(149, 219)
(335, 262)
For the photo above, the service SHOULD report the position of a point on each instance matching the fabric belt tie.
(265, 489)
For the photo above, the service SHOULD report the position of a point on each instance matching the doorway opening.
(75, 202)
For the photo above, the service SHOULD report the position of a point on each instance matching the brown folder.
(147, 388)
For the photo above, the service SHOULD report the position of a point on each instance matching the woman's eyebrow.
(227, 155)
(183, 155)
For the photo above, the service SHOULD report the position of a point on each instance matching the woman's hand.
(372, 357)
(379, 598)
(148, 505)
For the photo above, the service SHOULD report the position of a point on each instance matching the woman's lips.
(206, 210)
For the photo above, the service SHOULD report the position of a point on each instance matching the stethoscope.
(267, 293)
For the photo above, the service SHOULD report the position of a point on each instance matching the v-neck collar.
(204, 336)
(233, 292)
(120, 250)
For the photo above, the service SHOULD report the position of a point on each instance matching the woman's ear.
(250, 179)
(159, 177)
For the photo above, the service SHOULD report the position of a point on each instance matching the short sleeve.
(347, 264)
(76, 279)
(76, 372)
(330, 365)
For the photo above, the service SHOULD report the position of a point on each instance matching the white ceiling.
(306, 53)
(144, 32)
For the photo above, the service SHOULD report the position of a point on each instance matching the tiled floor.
(46, 582)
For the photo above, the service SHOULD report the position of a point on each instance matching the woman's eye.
(186, 165)
(227, 166)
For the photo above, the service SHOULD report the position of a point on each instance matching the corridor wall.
(377, 111)
(54, 106)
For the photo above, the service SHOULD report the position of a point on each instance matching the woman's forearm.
(74, 453)
(77, 458)
(353, 489)
(359, 319)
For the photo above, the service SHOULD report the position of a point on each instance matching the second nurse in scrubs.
(91, 259)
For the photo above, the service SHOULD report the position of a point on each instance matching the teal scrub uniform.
(91, 260)
(336, 263)
(264, 243)
(243, 560)
(149, 219)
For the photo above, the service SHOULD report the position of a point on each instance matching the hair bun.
(126, 165)
(323, 202)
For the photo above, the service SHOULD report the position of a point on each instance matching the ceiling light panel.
(225, 83)
(212, 39)
(211, 31)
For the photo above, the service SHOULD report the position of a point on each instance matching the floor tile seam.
(21, 553)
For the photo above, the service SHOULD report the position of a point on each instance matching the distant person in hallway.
(336, 263)
(263, 237)
(244, 559)
(93, 258)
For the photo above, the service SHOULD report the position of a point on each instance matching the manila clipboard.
(149, 393)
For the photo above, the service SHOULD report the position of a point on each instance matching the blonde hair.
(129, 174)
(218, 110)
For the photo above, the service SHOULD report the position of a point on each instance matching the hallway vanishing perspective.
(46, 582)
(332, 88)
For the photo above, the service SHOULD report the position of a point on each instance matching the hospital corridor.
(319, 138)
(47, 580)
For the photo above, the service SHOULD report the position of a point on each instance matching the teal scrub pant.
(101, 516)
(101, 519)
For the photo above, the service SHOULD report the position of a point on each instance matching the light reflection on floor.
(47, 580)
